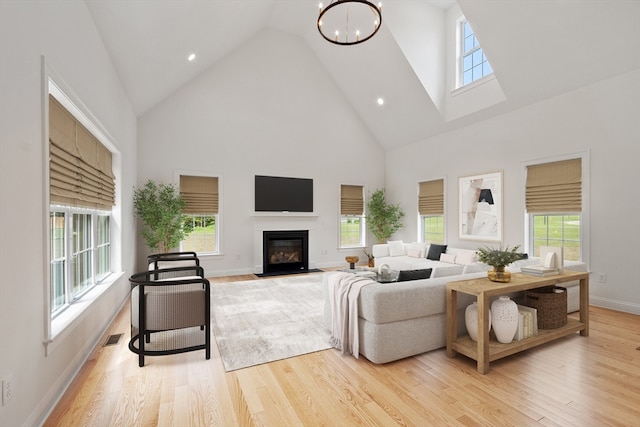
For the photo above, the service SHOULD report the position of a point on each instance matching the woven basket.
(551, 303)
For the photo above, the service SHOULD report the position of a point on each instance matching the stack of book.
(540, 270)
(527, 323)
(551, 261)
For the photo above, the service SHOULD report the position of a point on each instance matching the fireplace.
(285, 251)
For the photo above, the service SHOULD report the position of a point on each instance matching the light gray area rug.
(259, 321)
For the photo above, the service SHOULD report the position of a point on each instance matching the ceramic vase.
(471, 320)
(504, 318)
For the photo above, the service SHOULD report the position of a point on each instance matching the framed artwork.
(480, 204)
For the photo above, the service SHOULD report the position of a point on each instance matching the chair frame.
(151, 278)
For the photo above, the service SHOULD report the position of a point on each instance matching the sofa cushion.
(396, 248)
(406, 275)
(435, 251)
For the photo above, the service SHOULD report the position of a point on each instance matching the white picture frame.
(480, 207)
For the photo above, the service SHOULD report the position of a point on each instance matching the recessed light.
(380, 101)
(191, 57)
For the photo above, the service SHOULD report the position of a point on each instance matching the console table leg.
(452, 321)
(584, 306)
(483, 334)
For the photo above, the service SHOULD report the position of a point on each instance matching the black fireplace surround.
(285, 251)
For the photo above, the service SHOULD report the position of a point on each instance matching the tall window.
(554, 206)
(431, 211)
(201, 224)
(81, 193)
(473, 62)
(352, 216)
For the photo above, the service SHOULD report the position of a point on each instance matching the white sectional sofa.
(402, 319)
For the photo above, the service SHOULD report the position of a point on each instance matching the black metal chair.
(172, 259)
(171, 309)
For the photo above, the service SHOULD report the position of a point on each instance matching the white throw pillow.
(414, 253)
(420, 247)
(466, 257)
(396, 248)
(380, 251)
(450, 258)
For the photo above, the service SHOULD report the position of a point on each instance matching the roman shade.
(554, 187)
(80, 172)
(431, 197)
(351, 200)
(200, 194)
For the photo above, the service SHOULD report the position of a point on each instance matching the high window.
(81, 194)
(473, 63)
(554, 207)
(202, 221)
(352, 231)
(431, 211)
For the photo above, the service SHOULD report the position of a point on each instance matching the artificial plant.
(383, 218)
(160, 206)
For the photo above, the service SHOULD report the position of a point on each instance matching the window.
(352, 222)
(431, 211)
(202, 222)
(556, 230)
(473, 63)
(81, 194)
(554, 207)
(80, 253)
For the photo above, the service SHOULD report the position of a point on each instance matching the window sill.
(473, 84)
(63, 324)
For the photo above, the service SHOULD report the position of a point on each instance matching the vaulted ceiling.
(537, 49)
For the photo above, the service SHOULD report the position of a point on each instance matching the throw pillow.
(406, 275)
(435, 251)
(414, 253)
(465, 257)
(380, 251)
(420, 247)
(450, 258)
(396, 247)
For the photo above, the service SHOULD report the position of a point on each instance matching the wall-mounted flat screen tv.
(280, 194)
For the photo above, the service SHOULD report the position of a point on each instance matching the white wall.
(64, 33)
(601, 120)
(269, 108)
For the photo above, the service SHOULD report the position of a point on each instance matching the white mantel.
(283, 221)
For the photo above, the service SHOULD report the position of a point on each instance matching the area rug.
(260, 321)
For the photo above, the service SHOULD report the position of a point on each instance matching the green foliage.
(383, 218)
(159, 206)
(500, 257)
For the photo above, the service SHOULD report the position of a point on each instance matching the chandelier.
(348, 22)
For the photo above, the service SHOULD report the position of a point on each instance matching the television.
(280, 194)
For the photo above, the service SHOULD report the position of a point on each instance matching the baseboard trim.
(617, 305)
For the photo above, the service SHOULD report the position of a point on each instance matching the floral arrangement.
(500, 257)
(369, 255)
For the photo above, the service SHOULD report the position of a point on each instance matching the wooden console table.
(485, 351)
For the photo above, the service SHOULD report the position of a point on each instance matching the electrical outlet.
(602, 278)
(7, 389)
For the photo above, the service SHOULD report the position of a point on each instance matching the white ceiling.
(537, 49)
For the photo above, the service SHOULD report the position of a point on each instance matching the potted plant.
(383, 218)
(159, 206)
(499, 259)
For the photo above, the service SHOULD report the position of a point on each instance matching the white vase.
(504, 318)
(471, 320)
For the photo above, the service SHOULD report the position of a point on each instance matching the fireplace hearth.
(285, 252)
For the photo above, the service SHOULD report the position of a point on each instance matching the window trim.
(585, 215)
(58, 328)
(421, 231)
(460, 55)
(219, 216)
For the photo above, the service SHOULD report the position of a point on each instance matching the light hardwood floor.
(581, 381)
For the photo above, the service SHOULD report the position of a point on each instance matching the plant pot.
(498, 274)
